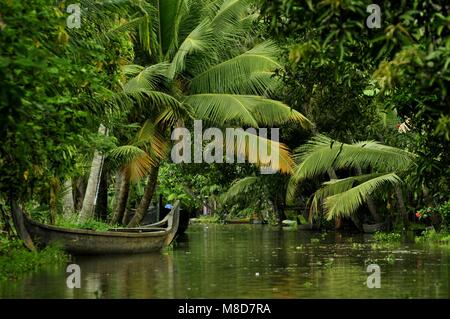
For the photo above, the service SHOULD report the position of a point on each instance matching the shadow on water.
(251, 261)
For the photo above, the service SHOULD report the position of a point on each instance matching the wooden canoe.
(238, 221)
(114, 241)
(372, 228)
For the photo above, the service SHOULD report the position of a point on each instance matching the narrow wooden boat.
(238, 221)
(372, 228)
(113, 241)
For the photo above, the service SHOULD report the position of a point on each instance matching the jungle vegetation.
(87, 113)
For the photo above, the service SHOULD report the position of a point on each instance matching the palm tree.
(87, 210)
(255, 191)
(207, 68)
(342, 197)
(134, 161)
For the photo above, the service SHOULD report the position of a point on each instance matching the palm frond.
(150, 78)
(238, 188)
(136, 160)
(322, 153)
(243, 109)
(229, 13)
(241, 74)
(148, 98)
(142, 22)
(336, 186)
(201, 39)
(150, 139)
(250, 147)
(170, 14)
(347, 202)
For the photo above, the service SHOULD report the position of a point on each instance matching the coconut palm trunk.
(338, 224)
(87, 211)
(17, 216)
(101, 209)
(401, 206)
(122, 197)
(370, 202)
(68, 202)
(146, 199)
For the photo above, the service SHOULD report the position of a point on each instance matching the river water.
(251, 261)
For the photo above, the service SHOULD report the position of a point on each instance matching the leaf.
(243, 109)
(347, 202)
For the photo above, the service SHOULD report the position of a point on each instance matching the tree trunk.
(17, 216)
(146, 199)
(338, 223)
(370, 203)
(80, 190)
(53, 201)
(90, 198)
(401, 206)
(68, 203)
(122, 197)
(101, 210)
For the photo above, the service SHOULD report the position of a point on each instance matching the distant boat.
(149, 238)
(372, 228)
(238, 221)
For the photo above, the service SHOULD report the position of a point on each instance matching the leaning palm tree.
(134, 160)
(209, 67)
(342, 197)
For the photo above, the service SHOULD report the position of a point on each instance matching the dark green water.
(251, 261)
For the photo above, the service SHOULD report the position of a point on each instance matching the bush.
(381, 237)
(433, 237)
(443, 211)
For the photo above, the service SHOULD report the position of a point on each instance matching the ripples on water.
(251, 261)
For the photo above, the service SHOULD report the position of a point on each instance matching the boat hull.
(115, 241)
(85, 242)
(372, 228)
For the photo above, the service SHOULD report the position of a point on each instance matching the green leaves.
(251, 72)
(200, 40)
(243, 110)
(56, 87)
(239, 188)
(322, 153)
(342, 197)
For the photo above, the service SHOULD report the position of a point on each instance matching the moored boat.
(113, 241)
(372, 228)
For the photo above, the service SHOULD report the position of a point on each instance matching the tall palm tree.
(342, 197)
(208, 67)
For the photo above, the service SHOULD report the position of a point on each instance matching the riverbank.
(16, 260)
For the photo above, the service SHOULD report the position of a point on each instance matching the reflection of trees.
(126, 276)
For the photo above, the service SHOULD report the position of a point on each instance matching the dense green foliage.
(57, 85)
(365, 110)
(352, 80)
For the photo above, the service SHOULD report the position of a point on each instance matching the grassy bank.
(433, 237)
(16, 260)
